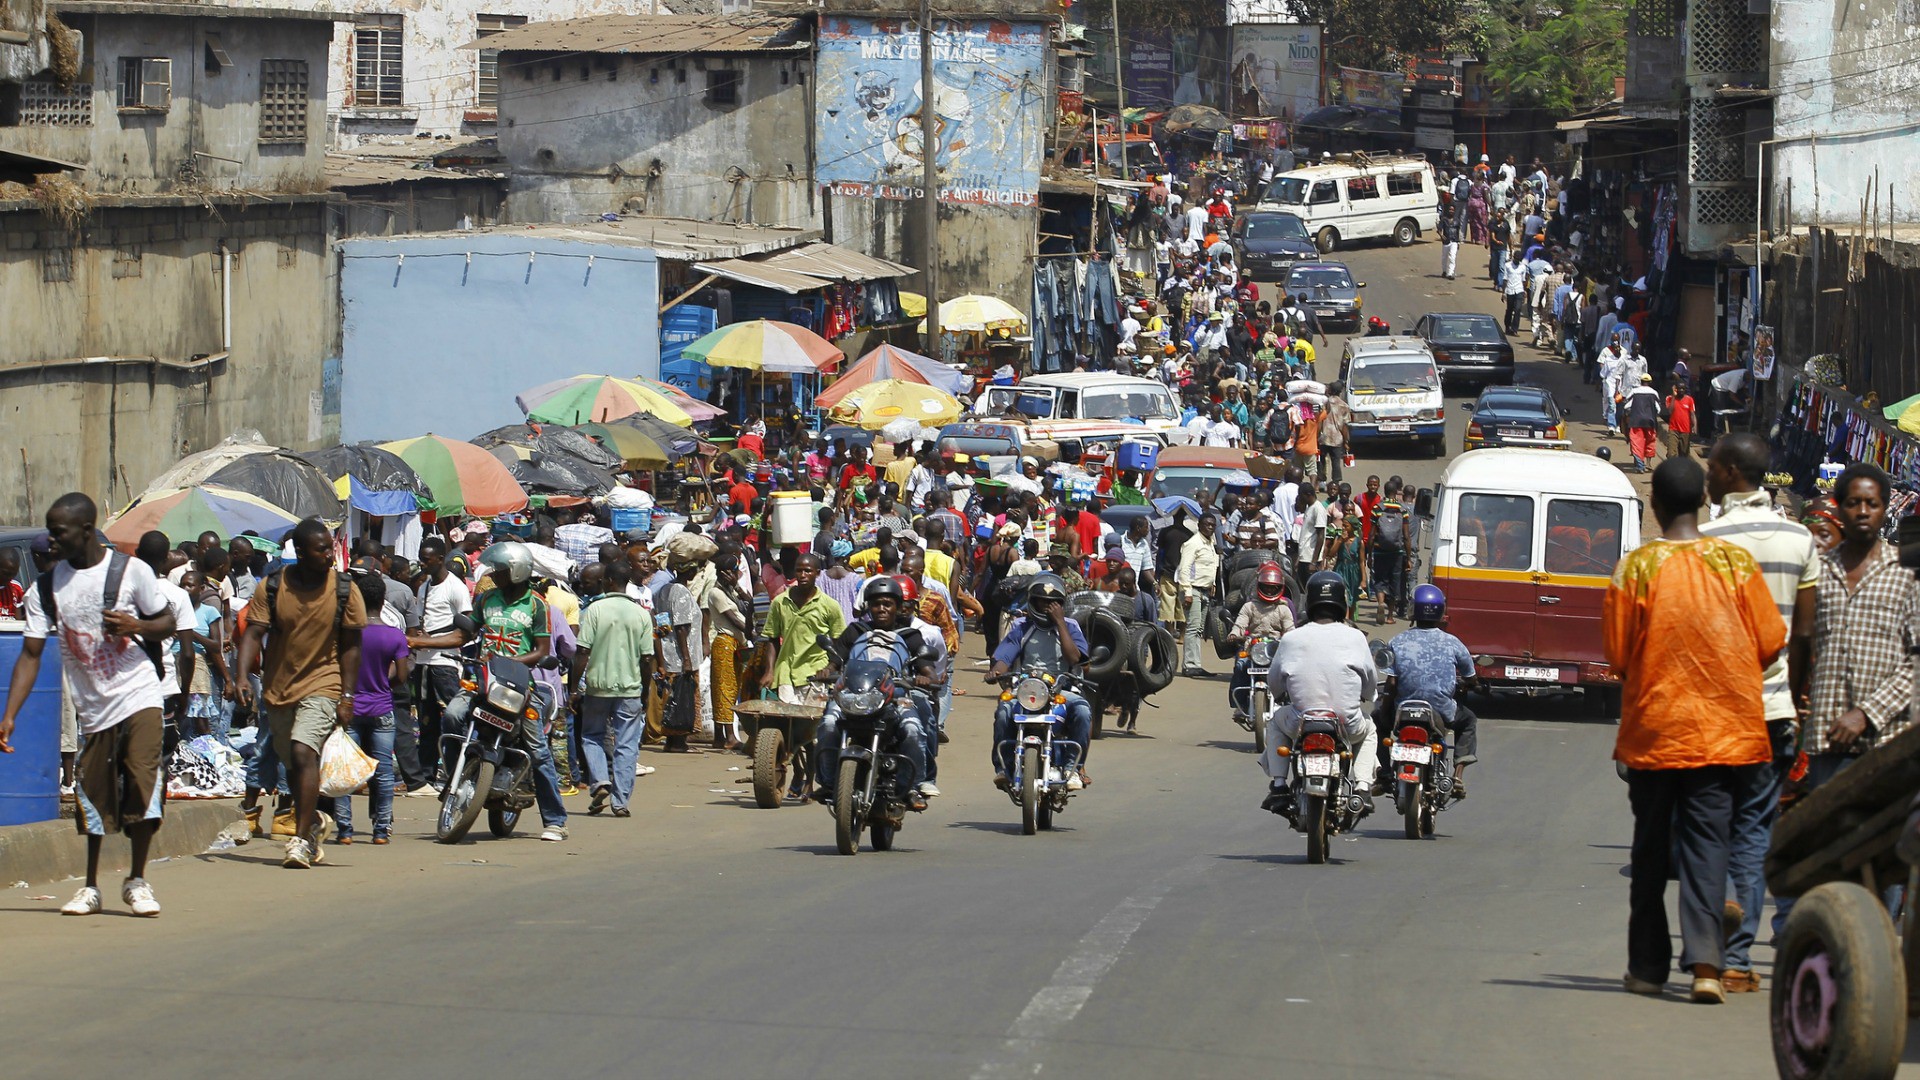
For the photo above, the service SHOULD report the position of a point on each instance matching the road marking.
(1055, 1005)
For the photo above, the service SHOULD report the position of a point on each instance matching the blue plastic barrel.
(30, 776)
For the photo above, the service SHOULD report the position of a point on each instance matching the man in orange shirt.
(1690, 627)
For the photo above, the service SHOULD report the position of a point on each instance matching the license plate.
(1419, 755)
(1533, 674)
(1396, 425)
(1512, 432)
(1326, 313)
(1476, 358)
(1317, 765)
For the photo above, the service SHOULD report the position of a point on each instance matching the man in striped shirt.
(1790, 566)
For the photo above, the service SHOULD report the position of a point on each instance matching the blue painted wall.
(441, 340)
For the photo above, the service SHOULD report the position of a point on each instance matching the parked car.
(1392, 196)
(1267, 244)
(20, 538)
(1515, 416)
(1467, 346)
(1332, 294)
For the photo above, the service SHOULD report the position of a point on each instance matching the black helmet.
(1327, 589)
(1047, 588)
(882, 586)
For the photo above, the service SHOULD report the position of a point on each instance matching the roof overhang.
(20, 168)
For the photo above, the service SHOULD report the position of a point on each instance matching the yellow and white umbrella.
(977, 313)
(878, 404)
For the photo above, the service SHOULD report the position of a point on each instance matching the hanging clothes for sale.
(1101, 308)
(1055, 315)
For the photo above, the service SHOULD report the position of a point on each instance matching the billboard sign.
(989, 97)
(1374, 91)
(1279, 62)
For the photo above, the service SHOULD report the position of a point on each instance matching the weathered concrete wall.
(145, 282)
(1844, 71)
(210, 135)
(585, 135)
(983, 249)
(485, 316)
(421, 206)
(19, 61)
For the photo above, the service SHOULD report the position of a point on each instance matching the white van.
(1086, 395)
(1359, 198)
(1393, 388)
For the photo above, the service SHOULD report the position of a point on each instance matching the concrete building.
(182, 287)
(419, 185)
(693, 116)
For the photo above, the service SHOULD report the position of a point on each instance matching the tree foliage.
(1562, 59)
(1381, 33)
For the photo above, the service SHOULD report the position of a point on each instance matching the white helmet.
(510, 562)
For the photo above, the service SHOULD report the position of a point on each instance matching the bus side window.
(1323, 192)
(1403, 183)
(1504, 524)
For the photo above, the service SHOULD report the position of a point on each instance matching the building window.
(126, 262)
(146, 84)
(487, 89)
(377, 74)
(283, 101)
(723, 87)
(45, 102)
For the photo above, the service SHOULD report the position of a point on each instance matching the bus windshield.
(1143, 404)
(1291, 190)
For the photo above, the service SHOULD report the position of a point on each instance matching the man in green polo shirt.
(795, 620)
(609, 684)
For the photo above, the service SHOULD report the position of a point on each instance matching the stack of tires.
(1118, 646)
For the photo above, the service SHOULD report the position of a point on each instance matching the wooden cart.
(1842, 978)
(781, 735)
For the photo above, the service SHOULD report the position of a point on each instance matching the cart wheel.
(1839, 999)
(769, 768)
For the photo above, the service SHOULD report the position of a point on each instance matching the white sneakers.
(136, 892)
(554, 833)
(139, 897)
(301, 854)
(927, 789)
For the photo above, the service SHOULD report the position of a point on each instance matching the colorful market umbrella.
(584, 398)
(875, 405)
(692, 406)
(373, 480)
(636, 448)
(766, 345)
(464, 478)
(893, 362)
(977, 313)
(913, 305)
(185, 513)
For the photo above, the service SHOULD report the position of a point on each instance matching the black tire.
(1410, 806)
(1029, 790)
(1097, 705)
(462, 801)
(1839, 1001)
(1164, 662)
(882, 836)
(1257, 706)
(846, 820)
(769, 769)
(1426, 822)
(1109, 630)
(1326, 239)
(1404, 231)
(1316, 814)
(501, 823)
(1046, 815)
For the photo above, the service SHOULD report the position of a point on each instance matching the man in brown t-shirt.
(311, 667)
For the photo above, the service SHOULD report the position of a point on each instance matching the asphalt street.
(1166, 927)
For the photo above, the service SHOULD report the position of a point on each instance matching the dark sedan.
(1268, 243)
(1515, 416)
(1467, 346)
(1332, 294)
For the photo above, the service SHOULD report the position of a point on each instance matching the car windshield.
(1144, 404)
(1290, 190)
(1465, 328)
(1189, 482)
(1407, 374)
(1275, 227)
(972, 447)
(1002, 399)
(1320, 277)
(1138, 152)
(1514, 403)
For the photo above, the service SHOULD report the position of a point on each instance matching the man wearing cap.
(1027, 479)
(1642, 408)
(1104, 569)
(1060, 561)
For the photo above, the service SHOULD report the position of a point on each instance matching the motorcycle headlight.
(1031, 695)
(1261, 653)
(861, 702)
(505, 699)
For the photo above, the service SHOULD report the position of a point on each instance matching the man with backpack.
(1387, 549)
(98, 600)
(309, 617)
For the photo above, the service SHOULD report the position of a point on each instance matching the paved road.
(1166, 928)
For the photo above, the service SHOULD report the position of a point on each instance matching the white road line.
(1057, 1003)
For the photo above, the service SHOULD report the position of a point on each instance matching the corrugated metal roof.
(824, 260)
(195, 10)
(654, 34)
(763, 273)
(674, 239)
(350, 171)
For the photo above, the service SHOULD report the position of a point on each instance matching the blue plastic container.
(627, 519)
(30, 776)
(1139, 456)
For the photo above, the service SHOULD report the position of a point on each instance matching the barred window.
(283, 101)
(487, 90)
(378, 78)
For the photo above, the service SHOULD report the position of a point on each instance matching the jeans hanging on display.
(1056, 322)
(1102, 313)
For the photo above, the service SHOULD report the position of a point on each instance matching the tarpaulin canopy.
(365, 475)
(284, 479)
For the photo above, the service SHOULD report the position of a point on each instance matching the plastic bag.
(343, 766)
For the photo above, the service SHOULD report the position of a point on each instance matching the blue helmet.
(1429, 604)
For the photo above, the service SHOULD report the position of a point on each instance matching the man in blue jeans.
(608, 685)
(1043, 639)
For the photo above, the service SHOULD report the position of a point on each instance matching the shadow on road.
(1011, 828)
(1564, 982)
(1275, 858)
(1227, 744)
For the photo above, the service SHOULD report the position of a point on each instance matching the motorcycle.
(1040, 707)
(871, 790)
(1254, 702)
(490, 770)
(1325, 800)
(1417, 751)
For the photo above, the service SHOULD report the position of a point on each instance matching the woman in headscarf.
(838, 580)
(729, 620)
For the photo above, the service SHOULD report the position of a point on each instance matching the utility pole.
(1120, 94)
(930, 178)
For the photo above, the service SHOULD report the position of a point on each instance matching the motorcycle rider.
(513, 623)
(885, 634)
(1428, 663)
(1043, 638)
(1324, 666)
(1266, 615)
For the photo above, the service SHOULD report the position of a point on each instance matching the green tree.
(1380, 35)
(1560, 59)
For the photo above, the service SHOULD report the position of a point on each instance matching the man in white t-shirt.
(445, 601)
(1196, 223)
(120, 783)
(1223, 432)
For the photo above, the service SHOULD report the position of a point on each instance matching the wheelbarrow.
(1843, 974)
(781, 735)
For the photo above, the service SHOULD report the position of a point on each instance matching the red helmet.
(1376, 323)
(909, 588)
(1272, 582)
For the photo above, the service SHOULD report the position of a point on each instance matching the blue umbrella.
(1167, 504)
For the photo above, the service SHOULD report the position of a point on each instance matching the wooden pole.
(929, 176)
